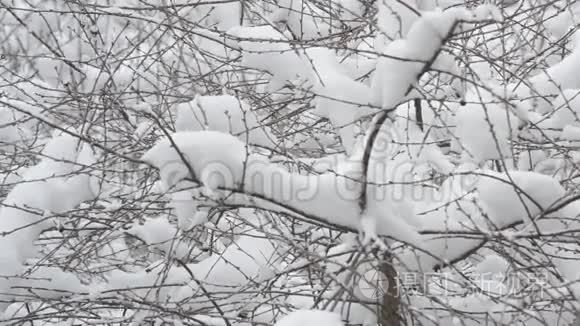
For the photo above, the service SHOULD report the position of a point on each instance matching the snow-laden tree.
(289, 162)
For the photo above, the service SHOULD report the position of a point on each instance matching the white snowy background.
(249, 162)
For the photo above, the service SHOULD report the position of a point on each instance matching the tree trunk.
(390, 306)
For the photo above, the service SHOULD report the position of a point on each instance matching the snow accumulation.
(485, 130)
(538, 91)
(159, 233)
(245, 263)
(15, 123)
(522, 198)
(222, 162)
(403, 60)
(215, 158)
(265, 48)
(513, 197)
(207, 153)
(223, 113)
(394, 20)
(339, 98)
(310, 318)
(519, 195)
(51, 187)
(566, 110)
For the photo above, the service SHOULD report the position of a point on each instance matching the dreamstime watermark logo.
(373, 284)
(390, 176)
(395, 180)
